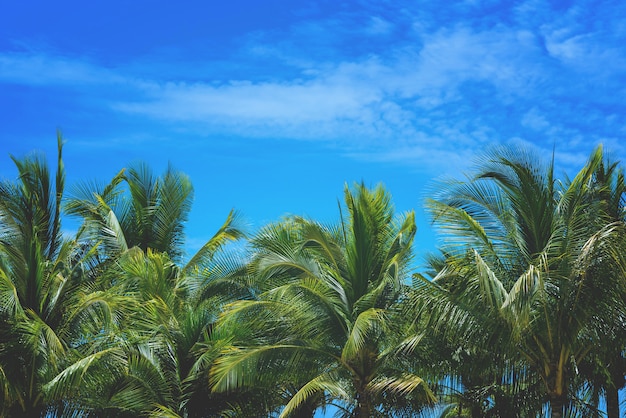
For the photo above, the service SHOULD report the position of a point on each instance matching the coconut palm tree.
(50, 312)
(324, 322)
(139, 231)
(479, 377)
(177, 307)
(136, 208)
(161, 350)
(519, 275)
(605, 369)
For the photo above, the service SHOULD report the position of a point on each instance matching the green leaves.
(367, 328)
(151, 215)
(321, 320)
(71, 379)
(518, 262)
(115, 322)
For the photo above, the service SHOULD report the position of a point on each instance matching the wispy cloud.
(40, 69)
(412, 87)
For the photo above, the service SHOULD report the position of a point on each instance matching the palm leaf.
(229, 231)
(322, 384)
(70, 380)
(366, 328)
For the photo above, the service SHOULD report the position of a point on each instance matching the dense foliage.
(521, 313)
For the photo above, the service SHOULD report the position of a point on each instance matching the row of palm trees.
(521, 313)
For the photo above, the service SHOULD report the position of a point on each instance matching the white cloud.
(244, 101)
(535, 120)
(43, 69)
(345, 91)
(378, 26)
(414, 96)
(587, 53)
(448, 89)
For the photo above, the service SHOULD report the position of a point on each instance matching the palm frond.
(319, 385)
(70, 380)
(366, 328)
(402, 385)
(229, 231)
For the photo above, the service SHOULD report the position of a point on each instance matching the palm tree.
(478, 376)
(605, 369)
(149, 212)
(49, 310)
(521, 253)
(139, 234)
(324, 322)
(173, 323)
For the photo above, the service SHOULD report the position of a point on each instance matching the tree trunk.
(595, 402)
(476, 411)
(364, 408)
(30, 412)
(612, 402)
(557, 404)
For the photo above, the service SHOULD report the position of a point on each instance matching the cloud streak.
(432, 88)
(39, 69)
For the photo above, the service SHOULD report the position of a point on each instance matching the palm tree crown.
(520, 257)
(324, 317)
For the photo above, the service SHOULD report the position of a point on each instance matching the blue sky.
(271, 106)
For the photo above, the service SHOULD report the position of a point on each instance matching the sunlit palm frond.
(367, 327)
(326, 383)
(402, 385)
(10, 305)
(71, 379)
(230, 231)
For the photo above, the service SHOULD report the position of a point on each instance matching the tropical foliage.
(325, 321)
(532, 268)
(521, 313)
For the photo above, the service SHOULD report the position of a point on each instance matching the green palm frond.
(173, 203)
(527, 292)
(112, 232)
(163, 411)
(402, 385)
(236, 367)
(10, 305)
(95, 204)
(462, 230)
(231, 230)
(71, 379)
(41, 339)
(366, 328)
(326, 383)
(492, 291)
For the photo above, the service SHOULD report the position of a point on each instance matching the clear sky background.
(272, 106)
